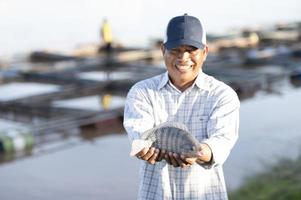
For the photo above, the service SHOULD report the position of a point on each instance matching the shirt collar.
(201, 81)
(163, 80)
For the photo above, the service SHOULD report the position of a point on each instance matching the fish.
(170, 136)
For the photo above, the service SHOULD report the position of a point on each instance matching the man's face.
(184, 64)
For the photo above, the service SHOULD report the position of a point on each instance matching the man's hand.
(153, 155)
(149, 154)
(175, 160)
(204, 155)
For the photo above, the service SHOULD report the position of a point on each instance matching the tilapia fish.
(171, 136)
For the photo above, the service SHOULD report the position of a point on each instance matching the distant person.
(106, 36)
(208, 107)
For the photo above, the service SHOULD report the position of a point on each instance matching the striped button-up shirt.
(209, 109)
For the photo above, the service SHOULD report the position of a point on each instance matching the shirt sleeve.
(138, 113)
(222, 127)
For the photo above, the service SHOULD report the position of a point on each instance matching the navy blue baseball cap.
(185, 30)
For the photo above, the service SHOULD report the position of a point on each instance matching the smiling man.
(208, 107)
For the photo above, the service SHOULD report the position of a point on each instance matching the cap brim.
(176, 43)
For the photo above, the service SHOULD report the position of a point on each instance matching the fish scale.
(171, 136)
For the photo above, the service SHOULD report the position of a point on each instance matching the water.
(102, 169)
(269, 130)
(98, 170)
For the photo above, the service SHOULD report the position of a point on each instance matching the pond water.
(101, 168)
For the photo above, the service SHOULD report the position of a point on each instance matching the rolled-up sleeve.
(222, 127)
(138, 113)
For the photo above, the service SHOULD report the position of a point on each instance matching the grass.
(281, 182)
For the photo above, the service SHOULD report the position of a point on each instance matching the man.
(106, 35)
(208, 107)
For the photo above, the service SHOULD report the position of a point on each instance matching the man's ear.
(163, 49)
(206, 50)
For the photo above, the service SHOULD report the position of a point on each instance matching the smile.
(183, 68)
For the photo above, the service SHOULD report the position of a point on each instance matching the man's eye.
(174, 51)
(191, 49)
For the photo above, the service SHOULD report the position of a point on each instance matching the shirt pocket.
(199, 126)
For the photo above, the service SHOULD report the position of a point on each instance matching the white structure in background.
(104, 76)
(13, 91)
(91, 103)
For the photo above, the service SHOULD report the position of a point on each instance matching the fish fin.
(137, 146)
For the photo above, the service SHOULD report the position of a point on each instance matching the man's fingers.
(167, 158)
(173, 160)
(151, 155)
(152, 159)
(148, 154)
(180, 161)
(161, 155)
(142, 152)
(188, 160)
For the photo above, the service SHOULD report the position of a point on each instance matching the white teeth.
(183, 67)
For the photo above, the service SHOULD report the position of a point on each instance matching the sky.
(56, 24)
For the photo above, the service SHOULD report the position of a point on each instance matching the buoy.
(1, 147)
(29, 140)
(16, 140)
(1, 143)
(6, 143)
(19, 143)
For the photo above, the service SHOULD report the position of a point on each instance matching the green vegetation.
(281, 182)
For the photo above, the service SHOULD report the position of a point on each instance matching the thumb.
(198, 151)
